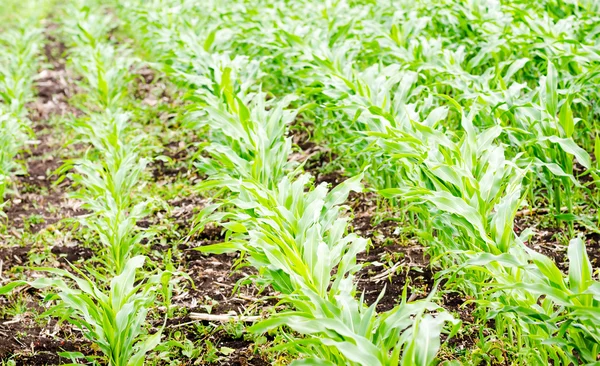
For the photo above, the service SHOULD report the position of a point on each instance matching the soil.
(180, 154)
(546, 240)
(212, 285)
(33, 345)
(149, 88)
(376, 277)
(240, 352)
(39, 202)
(314, 157)
(14, 256)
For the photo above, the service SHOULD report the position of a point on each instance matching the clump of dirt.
(333, 179)
(71, 254)
(14, 256)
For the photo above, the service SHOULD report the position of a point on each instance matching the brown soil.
(179, 167)
(149, 88)
(14, 256)
(242, 350)
(30, 341)
(412, 272)
(55, 84)
(39, 202)
(71, 254)
(546, 240)
(213, 283)
(391, 264)
(32, 345)
(314, 157)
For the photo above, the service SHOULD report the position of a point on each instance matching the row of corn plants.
(465, 187)
(292, 231)
(109, 300)
(20, 46)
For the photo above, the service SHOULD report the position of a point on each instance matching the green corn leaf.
(569, 146)
(551, 89)
(597, 149)
(11, 286)
(312, 361)
(426, 341)
(146, 345)
(549, 270)
(580, 269)
(565, 118)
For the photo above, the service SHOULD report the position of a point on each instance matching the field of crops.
(305, 182)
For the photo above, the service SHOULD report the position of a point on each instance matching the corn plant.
(240, 146)
(108, 185)
(551, 306)
(105, 67)
(19, 67)
(114, 318)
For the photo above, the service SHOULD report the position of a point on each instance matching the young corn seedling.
(241, 147)
(544, 304)
(545, 134)
(108, 186)
(114, 318)
(20, 59)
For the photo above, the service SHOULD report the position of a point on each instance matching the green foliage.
(459, 113)
(111, 319)
(19, 59)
